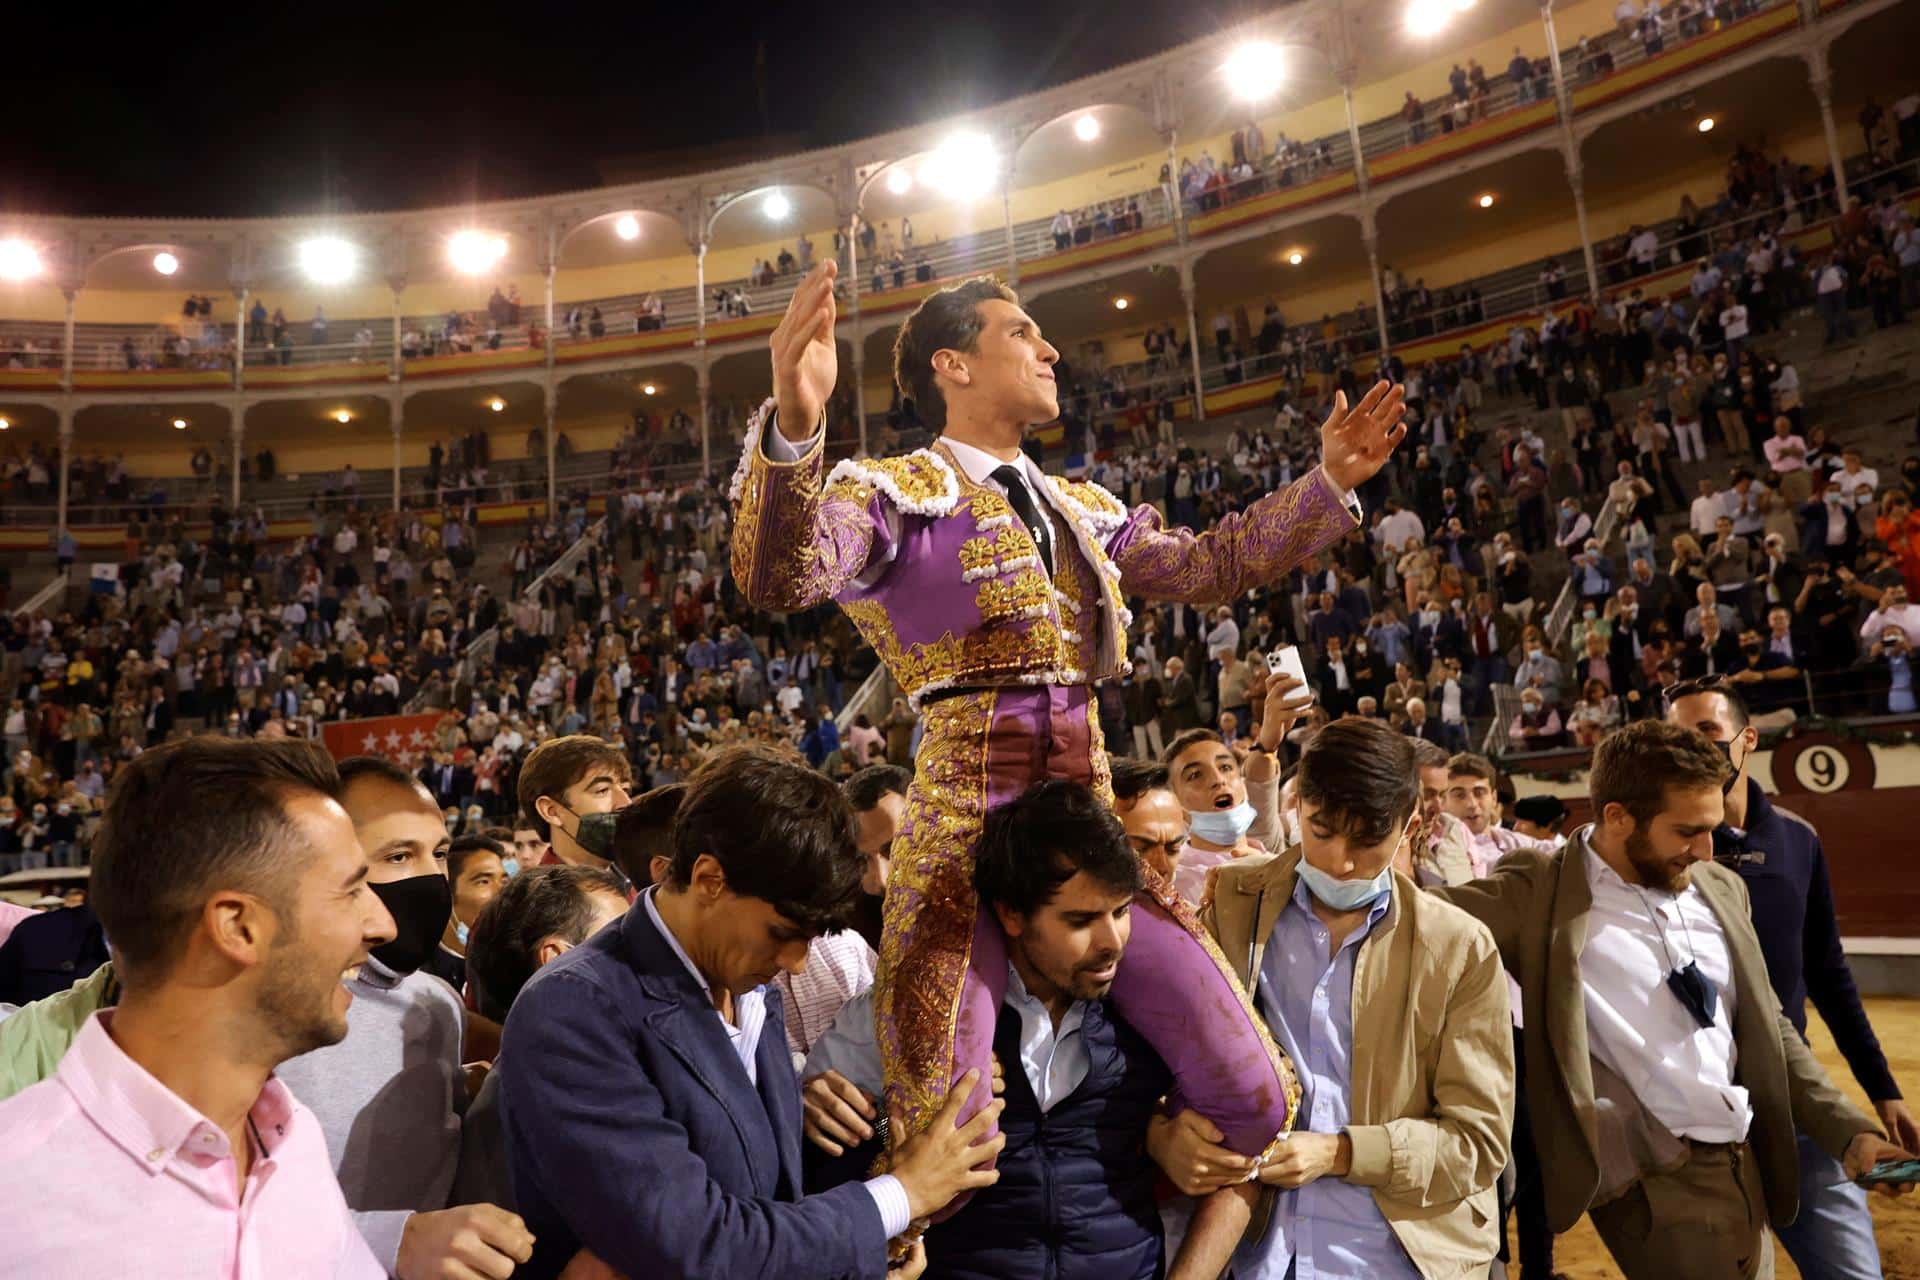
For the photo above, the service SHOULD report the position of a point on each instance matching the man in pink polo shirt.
(235, 893)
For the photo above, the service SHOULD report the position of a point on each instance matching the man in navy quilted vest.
(1075, 1197)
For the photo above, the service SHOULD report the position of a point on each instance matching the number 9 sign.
(1821, 764)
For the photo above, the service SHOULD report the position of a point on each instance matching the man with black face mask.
(390, 1095)
(567, 789)
(1778, 855)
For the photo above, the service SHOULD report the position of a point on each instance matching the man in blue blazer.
(651, 1111)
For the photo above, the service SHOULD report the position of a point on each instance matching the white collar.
(980, 465)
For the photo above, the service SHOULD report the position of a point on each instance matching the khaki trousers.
(1706, 1220)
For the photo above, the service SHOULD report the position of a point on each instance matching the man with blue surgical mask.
(1393, 1007)
(1232, 799)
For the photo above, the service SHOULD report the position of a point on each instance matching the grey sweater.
(390, 1097)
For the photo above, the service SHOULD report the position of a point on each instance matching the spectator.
(536, 918)
(1658, 787)
(764, 858)
(1322, 916)
(390, 1093)
(233, 888)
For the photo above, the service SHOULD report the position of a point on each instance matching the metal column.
(398, 412)
(704, 382)
(1369, 232)
(1370, 236)
(1193, 341)
(552, 399)
(66, 460)
(700, 347)
(398, 363)
(238, 430)
(1563, 103)
(859, 339)
(66, 343)
(1006, 214)
(1821, 75)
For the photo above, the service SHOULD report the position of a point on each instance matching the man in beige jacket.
(1393, 1007)
(1664, 1082)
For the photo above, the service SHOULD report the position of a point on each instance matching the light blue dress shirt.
(1055, 1062)
(1329, 1229)
(750, 1019)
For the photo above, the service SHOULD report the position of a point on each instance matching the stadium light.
(777, 207)
(474, 251)
(497, 404)
(1428, 17)
(964, 167)
(1254, 71)
(328, 259)
(899, 180)
(1486, 200)
(628, 227)
(18, 260)
(1087, 128)
(165, 263)
(1705, 125)
(179, 424)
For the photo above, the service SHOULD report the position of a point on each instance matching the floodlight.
(342, 417)
(1086, 128)
(1428, 17)
(5, 424)
(1705, 125)
(1255, 71)
(899, 180)
(1295, 258)
(650, 389)
(777, 207)
(1121, 304)
(328, 260)
(496, 404)
(964, 167)
(1486, 200)
(165, 263)
(179, 424)
(474, 251)
(628, 227)
(18, 260)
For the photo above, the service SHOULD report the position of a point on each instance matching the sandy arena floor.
(1579, 1255)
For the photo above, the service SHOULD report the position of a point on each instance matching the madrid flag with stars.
(405, 740)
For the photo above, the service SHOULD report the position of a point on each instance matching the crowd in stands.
(632, 806)
(1810, 554)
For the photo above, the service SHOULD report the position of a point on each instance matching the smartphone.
(1285, 661)
(1891, 1171)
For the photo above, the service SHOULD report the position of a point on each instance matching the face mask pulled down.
(1223, 827)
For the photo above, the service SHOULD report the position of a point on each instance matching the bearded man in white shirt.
(1666, 1081)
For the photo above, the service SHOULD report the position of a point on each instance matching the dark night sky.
(276, 109)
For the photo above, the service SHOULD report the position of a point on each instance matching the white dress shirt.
(1055, 1061)
(1680, 1071)
(749, 1019)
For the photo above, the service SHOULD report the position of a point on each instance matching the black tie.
(1022, 501)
